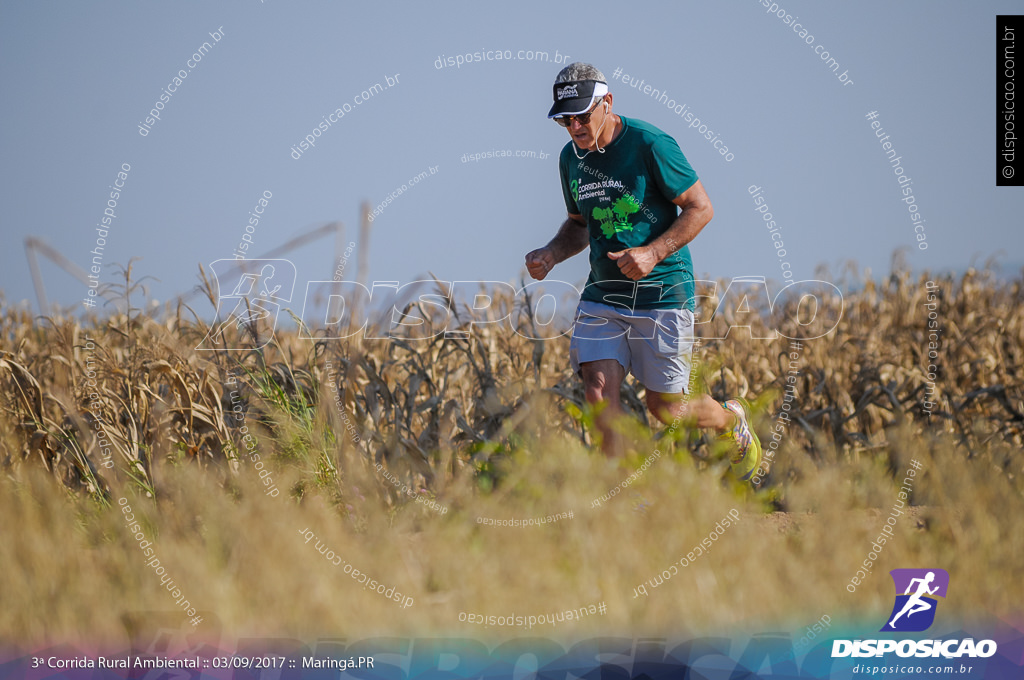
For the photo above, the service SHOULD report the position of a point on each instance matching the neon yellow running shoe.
(748, 448)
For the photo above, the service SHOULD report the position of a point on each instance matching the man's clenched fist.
(539, 262)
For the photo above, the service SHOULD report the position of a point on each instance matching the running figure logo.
(258, 288)
(914, 610)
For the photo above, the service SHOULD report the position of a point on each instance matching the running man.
(915, 603)
(632, 197)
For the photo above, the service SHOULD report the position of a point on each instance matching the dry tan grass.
(485, 428)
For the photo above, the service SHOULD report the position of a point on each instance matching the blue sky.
(79, 78)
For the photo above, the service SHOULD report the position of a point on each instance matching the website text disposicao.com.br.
(339, 113)
(459, 60)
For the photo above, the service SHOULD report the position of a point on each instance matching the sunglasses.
(583, 118)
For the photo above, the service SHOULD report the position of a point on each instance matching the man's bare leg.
(700, 410)
(704, 412)
(602, 381)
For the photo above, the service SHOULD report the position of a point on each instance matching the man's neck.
(609, 136)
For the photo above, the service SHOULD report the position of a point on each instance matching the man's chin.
(584, 143)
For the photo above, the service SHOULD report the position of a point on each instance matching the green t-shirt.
(625, 194)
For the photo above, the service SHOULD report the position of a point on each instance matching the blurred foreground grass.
(485, 428)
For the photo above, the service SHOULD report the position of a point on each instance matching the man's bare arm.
(695, 213)
(571, 239)
(637, 263)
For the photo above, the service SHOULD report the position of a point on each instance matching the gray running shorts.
(654, 345)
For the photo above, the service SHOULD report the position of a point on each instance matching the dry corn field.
(396, 454)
